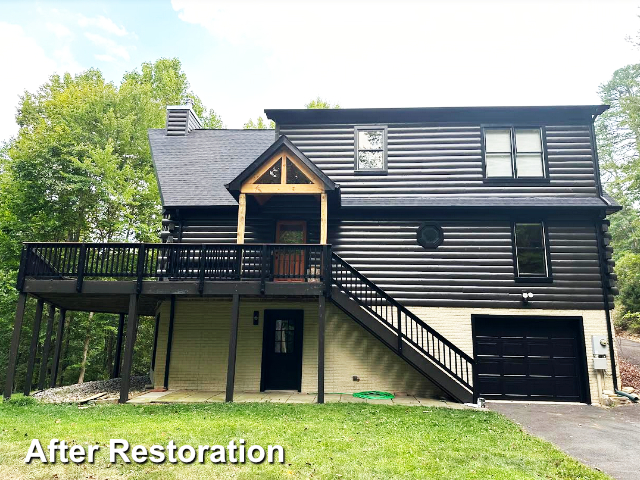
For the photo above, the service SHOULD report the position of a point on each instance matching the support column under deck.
(115, 373)
(15, 343)
(167, 360)
(132, 328)
(33, 350)
(233, 347)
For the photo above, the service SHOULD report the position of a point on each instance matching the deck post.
(323, 218)
(321, 338)
(132, 327)
(15, 343)
(58, 348)
(167, 360)
(233, 346)
(46, 348)
(37, 321)
(115, 372)
(242, 214)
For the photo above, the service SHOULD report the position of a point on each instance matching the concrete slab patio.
(606, 439)
(199, 396)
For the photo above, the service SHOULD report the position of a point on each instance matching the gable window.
(531, 252)
(514, 153)
(371, 149)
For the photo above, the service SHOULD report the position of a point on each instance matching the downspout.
(601, 254)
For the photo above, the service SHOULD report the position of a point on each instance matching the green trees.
(80, 169)
(618, 132)
(262, 123)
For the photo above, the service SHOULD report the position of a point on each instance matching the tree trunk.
(65, 347)
(85, 350)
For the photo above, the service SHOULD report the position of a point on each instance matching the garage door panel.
(535, 358)
(541, 367)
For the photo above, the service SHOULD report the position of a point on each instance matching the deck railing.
(173, 261)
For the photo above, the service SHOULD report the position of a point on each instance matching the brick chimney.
(181, 119)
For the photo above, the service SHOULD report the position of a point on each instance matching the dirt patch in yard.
(82, 391)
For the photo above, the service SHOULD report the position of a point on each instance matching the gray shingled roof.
(468, 201)
(193, 169)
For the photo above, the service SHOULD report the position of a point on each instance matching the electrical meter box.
(600, 363)
(600, 345)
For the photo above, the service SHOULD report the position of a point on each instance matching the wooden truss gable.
(285, 173)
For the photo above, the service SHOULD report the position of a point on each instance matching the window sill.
(370, 172)
(506, 181)
(533, 279)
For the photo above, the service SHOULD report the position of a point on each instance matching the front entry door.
(282, 350)
(289, 263)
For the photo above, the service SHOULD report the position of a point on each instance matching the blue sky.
(244, 56)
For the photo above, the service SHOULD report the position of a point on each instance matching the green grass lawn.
(337, 441)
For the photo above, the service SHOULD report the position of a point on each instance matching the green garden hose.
(374, 395)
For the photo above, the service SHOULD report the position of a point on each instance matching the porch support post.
(115, 372)
(321, 334)
(46, 349)
(167, 360)
(132, 327)
(323, 218)
(242, 215)
(34, 347)
(58, 349)
(15, 343)
(233, 346)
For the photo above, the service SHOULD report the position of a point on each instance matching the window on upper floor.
(514, 153)
(531, 252)
(371, 149)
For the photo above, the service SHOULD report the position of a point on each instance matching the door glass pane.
(295, 176)
(370, 160)
(528, 141)
(498, 165)
(529, 165)
(497, 141)
(529, 235)
(291, 233)
(370, 139)
(273, 175)
(284, 336)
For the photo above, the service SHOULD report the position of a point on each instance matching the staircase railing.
(408, 327)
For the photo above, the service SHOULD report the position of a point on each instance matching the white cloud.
(104, 58)
(30, 67)
(59, 30)
(111, 47)
(409, 53)
(103, 23)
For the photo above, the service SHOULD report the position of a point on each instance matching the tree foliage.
(80, 169)
(320, 103)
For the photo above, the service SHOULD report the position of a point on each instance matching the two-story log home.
(458, 252)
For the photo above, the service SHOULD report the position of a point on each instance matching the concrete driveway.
(629, 350)
(606, 439)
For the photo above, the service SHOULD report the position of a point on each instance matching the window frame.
(514, 169)
(436, 244)
(370, 171)
(548, 278)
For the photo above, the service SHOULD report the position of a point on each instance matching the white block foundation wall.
(201, 345)
(201, 341)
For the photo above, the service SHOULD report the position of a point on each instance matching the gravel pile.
(630, 375)
(78, 392)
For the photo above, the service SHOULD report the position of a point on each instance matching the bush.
(21, 401)
(629, 321)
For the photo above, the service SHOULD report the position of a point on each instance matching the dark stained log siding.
(474, 265)
(443, 160)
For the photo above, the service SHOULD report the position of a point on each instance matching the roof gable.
(281, 145)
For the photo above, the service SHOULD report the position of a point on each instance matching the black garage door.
(530, 358)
